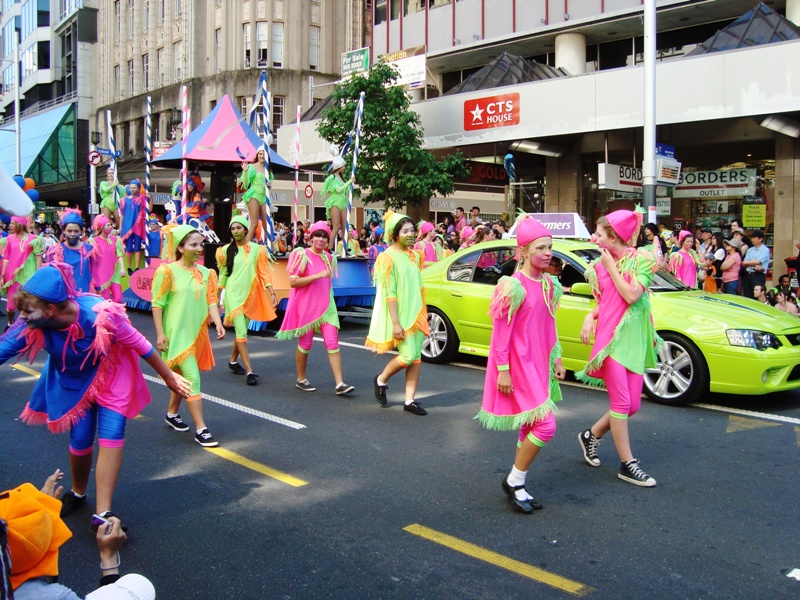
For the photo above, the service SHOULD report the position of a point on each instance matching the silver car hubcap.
(674, 373)
(435, 344)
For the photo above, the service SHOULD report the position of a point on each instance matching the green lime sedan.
(712, 342)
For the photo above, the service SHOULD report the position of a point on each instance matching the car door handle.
(457, 294)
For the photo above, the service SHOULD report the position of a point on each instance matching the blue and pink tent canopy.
(223, 136)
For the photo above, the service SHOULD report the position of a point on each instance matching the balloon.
(5, 218)
(20, 180)
(33, 195)
(508, 163)
(29, 184)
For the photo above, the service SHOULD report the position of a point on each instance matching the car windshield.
(663, 281)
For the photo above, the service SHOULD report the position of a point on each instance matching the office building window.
(261, 43)
(246, 39)
(160, 67)
(278, 111)
(131, 20)
(313, 47)
(277, 45)
(178, 9)
(9, 35)
(117, 82)
(161, 11)
(177, 57)
(244, 105)
(380, 11)
(117, 20)
(145, 15)
(69, 50)
(218, 49)
(146, 72)
(131, 81)
(28, 25)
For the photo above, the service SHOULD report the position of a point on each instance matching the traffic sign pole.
(93, 206)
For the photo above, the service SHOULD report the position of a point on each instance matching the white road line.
(749, 413)
(240, 408)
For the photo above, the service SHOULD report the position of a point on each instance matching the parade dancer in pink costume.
(311, 307)
(625, 337)
(105, 262)
(21, 258)
(91, 382)
(431, 251)
(683, 263)
(524, 363)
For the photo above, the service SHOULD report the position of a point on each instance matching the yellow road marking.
(562, 583)
(27, 370)
(257, 467)
(736, 424)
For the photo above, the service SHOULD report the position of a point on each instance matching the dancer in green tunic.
(335, 200)
(400, 317)
(184, 296)
(255, 181)
(110, 192)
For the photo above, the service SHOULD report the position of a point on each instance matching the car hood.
(715, 310)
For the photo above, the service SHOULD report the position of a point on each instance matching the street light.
(95, 138)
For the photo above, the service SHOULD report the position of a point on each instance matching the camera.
(96, 522)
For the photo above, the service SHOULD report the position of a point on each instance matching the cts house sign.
(492, 111)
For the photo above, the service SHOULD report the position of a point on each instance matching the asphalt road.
(318, 496)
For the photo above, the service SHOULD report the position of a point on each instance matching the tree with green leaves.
(393, 168)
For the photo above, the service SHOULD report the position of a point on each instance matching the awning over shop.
(47, 145)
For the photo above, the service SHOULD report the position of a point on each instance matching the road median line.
(27, 370)
(257, 467)
(553, 580)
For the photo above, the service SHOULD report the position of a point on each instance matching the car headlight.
(760, 340)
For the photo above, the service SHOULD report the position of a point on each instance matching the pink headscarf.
(529, 229)
(100, 221)
(626, 224)
(20, 220)
(319, 226)
(425, 228)
(682, 235)
(467, 233)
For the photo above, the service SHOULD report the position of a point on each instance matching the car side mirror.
(581, 289)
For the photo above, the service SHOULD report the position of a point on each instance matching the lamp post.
(94, 138)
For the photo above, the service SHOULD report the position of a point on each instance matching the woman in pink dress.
(105, 260)
(430, 251)
(22, 257)
(524, 363)
(683, 263)
(625, 337)
(311, 307)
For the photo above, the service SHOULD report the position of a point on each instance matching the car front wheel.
(681, 375)
(442, 345)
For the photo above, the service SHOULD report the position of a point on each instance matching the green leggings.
(188, 368)
(410, 349)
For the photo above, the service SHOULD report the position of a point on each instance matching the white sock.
(172, 415)
(515, 478)
(410, 401)
(380, 383)
(77, 495)
(201, 430)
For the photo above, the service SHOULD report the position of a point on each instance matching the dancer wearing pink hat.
(431, 251)
(21, 258)
(311, 306)
(105, 262)
(625, 337)
(524, 363)
(684, 263)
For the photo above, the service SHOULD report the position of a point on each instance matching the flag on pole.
(112, 146)
(148, 143)
(296, 171)
(357, 130)
(184, 142)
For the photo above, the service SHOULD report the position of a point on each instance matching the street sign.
(107, 152)
(94, 158)
(309, 191)
(356, 61)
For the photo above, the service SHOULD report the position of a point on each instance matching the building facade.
(57, 41)
(153, 47)
(560, 86)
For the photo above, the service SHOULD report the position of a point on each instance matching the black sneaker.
(589, 446)
(344, 388)
(251, 378)
(236, 368)
(632, 473)
(176, 423)
(380, 392)
(205, 439)
(70, 503)
(304, 385)
(415, 408)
